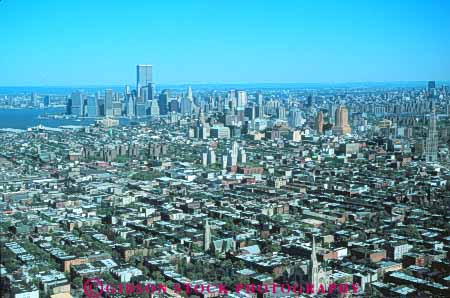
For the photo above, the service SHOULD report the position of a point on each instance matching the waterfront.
(25, 118)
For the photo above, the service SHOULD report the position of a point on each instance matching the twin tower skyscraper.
(144, 81)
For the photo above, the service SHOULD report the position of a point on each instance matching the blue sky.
(99, 42)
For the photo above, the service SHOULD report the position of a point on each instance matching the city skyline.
(199, 43)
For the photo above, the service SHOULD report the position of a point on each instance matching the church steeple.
(314, 265)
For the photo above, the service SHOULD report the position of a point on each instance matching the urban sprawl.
(256, 186)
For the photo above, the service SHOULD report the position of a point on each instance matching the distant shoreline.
(218, 86)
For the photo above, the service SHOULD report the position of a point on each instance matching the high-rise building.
(92, 107)
(431, 145)
(232, 158)
(341, 126)
(185, 105)
(131, 107)
(127, 90)
(46, 101)
(295, 118)
(173, 107)
(206, 236)
(109, 103)
(241, 99)
(143, 76)
(189, 94)
(154, 109)
(431, 85)
(281, 113)
(319, 122)
(34, 100)
(310, 101)
(163, 102)
(332, 107)
(259, 99)
(150, 91)
(77, 104)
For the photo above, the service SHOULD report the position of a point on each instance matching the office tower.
(205, 159)
(319, 122)
(295, 118)
(220, 132)
(109, 103)
(241, 99)
(224, 161)
(185, 106)
(250, 112)
(332, 111)
(211, 156)
(173, 107)
(208, 157)
(34, 100)
(431, 85)
(150, 91)
(77, 104)
(141, 108)
(206, 236)
(163, 102)
(69, 106)
(341, 126)
(232, 100)
(310, 101)
(189, 94)
(154, 109)
(232, 158)
(92, 107)
(46, 101)
(144, 93)
(242, 156)
(126, 90)
(131, 106)
(117, 108)
(281, 113)
(259, 99)
(431, 146)
(143, 77)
